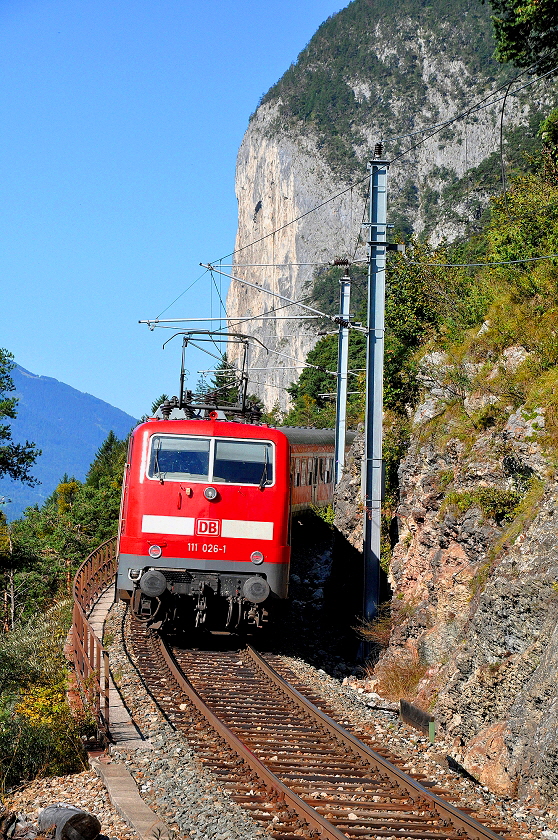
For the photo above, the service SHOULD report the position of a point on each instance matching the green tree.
(159, 401)
(548, 132)
(16, 459)
(49, 543)
(109, 459)
(310, 406)
(420, 299)
(526, 32)
(225, 382)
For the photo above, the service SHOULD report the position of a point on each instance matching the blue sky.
(120, 127)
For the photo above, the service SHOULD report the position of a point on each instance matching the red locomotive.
(205, 519)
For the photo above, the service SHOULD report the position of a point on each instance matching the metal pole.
(342, 376)
(374, 382)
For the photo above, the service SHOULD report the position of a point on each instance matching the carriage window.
(179, 458)
(311, 471)
(243, 462)
(297, 472)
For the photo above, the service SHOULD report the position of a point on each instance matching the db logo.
(208, 527)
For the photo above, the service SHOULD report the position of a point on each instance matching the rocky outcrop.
(500, 695)
(349, 511)
(474, 575)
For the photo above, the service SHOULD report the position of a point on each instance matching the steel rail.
(309, 814)
(459, 819)
(455, 821)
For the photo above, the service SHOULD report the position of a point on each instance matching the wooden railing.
(89, 657)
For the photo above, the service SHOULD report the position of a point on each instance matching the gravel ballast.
(355, 709)
(171, 780)
(83, 790)
(190, 799)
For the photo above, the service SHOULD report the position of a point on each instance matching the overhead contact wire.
(483, 264)
(180, 295)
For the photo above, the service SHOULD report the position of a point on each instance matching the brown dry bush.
(378, 631)
(398, 678)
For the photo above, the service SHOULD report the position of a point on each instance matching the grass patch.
(479, 579)
(499, 505)
(378, 631)
(444, 426)
(545, 393)
(445, 478)
(525, 512)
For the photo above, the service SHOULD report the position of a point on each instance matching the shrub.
(497, 504)
(489, 416)
(326, 513)
(38, 737)
(398, 678)
(32, 652)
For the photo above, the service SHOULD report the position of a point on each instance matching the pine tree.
(16, 459)
(108, 459)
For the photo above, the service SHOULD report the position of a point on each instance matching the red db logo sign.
(208, 527)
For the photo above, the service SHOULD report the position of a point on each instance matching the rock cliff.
(375, 71)
(473, 627)
(278, 179)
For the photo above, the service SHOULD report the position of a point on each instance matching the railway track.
(286, 760)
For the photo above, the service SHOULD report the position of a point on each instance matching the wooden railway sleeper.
(348, 748)
(442, 809)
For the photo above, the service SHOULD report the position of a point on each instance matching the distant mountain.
(68, 425)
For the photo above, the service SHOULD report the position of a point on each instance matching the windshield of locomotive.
(243, 462)
(211, 460)
(179, 458)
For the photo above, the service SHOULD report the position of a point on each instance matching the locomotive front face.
(204, 524)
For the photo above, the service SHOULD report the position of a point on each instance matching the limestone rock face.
(500, 695)
(349, 514)
(315, 132)
(280, 178)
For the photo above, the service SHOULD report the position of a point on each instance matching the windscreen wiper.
(158, 472)
(263, 479)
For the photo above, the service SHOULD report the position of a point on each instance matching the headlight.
(210, 493)
(257, 557)
(155, 551)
